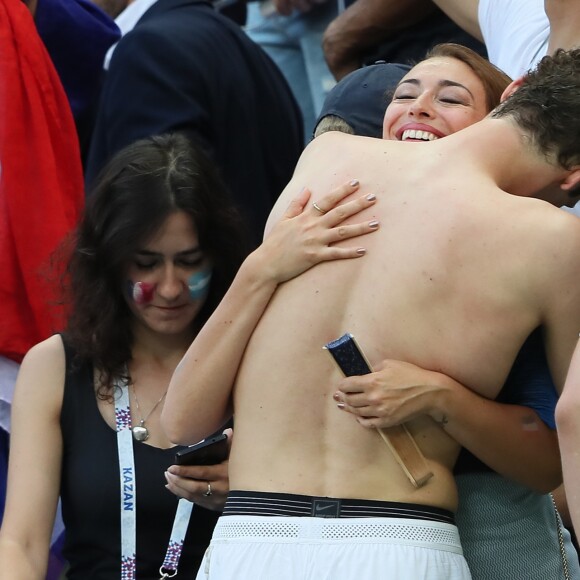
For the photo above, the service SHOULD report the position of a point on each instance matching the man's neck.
(499, 150)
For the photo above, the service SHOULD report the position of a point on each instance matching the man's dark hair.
(547, 107)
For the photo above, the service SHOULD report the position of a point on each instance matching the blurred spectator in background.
(291, 32)
(77, 35)
(185, 67)
(400, 31)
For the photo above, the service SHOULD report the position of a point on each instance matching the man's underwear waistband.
(259, 503)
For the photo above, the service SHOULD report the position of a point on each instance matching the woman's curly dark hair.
(133, 195)
(547, 107)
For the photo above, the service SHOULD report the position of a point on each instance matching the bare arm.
(199, 396)
(35, 463)
(363, 25)
(559, 292)
(510, 439)
(464, 13)
(559, 495)
(564, 17)
(568, 421)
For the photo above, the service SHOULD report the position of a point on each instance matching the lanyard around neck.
(128, 498)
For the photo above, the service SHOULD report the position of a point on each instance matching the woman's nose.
(422, 106)
(171, 285)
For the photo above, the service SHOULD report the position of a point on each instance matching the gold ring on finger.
(318, 208)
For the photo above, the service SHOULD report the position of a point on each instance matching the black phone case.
(207, 452)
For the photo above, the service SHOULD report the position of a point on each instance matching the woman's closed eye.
(190, 262)
(146, 264)
(451, 101)
(404, 97)
(454, 96)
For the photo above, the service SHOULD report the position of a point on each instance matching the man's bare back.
(454, 281)
(456, 277)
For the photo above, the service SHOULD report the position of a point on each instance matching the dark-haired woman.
(154, 253)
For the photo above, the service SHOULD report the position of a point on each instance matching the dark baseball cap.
(361, 97)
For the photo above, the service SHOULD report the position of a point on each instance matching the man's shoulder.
(333, 141)
(538, 218)
(553, 232)
(563, 228)
(549, 219)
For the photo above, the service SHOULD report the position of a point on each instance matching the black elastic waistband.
(259, 503)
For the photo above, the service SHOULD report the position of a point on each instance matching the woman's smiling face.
(436, 98)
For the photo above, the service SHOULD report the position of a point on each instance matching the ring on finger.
(209, 491)
(318, 208)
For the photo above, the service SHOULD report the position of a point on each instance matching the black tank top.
(91, 498)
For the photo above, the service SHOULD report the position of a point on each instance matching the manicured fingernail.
(371, 197)
(361, 251)
(340, 405)
(354, 182)
(374, 224)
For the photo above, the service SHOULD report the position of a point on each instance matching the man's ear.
(572, 181)
(511, 88)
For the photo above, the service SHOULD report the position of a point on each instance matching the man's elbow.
(174, 427)
(184, 429)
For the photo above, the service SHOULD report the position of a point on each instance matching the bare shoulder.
(550, 236)
(537, 219)
(332, 141)
(41, 377)
(563, 238)
(49, 352)
(320, 160)
(327, 154)
(557, 229)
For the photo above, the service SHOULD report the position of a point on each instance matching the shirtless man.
(455, 279)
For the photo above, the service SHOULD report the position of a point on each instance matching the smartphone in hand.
(210, 451)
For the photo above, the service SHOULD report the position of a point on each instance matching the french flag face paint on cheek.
(198, 284)
(142, 292)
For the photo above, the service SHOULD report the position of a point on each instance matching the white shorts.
(312, 548)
